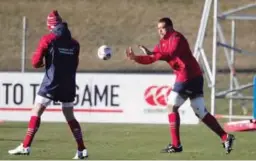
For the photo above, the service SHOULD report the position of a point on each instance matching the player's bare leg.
(174, 122)
(77, 132)
(202, 113)
(33, 126)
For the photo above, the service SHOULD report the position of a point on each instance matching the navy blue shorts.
(190, 89)
(58, 95)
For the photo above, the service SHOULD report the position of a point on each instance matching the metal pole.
(241, 17)
(254, 98)
(206, 67)
(23, 47)
(232, 72)
(235, 90)
(202, 28)
(214, 45)
(237, 9)
(198, 49)
(236, 49)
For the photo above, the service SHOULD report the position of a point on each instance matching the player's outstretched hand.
(130, 54)
(144, 49)
(41, 65)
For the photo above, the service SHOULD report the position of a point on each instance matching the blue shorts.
(190, 89)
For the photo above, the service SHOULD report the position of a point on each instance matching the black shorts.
(190, 89)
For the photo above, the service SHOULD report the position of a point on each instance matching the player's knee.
(68, 113)
(43, 101)
(198, 106)
(172, 108)
(38, 110)
(40, 104)
(67, 109)
(174, 102)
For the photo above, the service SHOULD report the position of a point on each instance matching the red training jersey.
(175, 50)
(42, 49)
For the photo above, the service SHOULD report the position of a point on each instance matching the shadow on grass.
(20, 139)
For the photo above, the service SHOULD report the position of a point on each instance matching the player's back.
(61, 60)
(184, 63)
(186, 55)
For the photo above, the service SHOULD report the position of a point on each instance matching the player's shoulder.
(48, 37)
(75, 41)
(177, 34)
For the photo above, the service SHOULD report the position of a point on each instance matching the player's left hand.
(130, 54)
(144, 50)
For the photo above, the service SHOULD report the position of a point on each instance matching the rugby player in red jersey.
(174, 49)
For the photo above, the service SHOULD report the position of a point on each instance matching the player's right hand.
(130, 54)
(41, 64)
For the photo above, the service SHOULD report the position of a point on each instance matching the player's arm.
(77, 50)
(78, 53)
(142, 59)
(38, 55)
(156, 54)
(147, 59)
(145, 50)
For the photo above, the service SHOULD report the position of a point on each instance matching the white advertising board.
(100, 98)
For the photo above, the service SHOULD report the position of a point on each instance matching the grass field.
(123, 141)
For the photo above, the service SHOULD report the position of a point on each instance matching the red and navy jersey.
(59, 53)
(175, 50)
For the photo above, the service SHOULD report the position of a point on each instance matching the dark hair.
(167, 21)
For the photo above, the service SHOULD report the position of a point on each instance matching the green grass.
(123, 141)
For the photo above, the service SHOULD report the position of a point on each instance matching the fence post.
(23, 47)
(254, 98)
